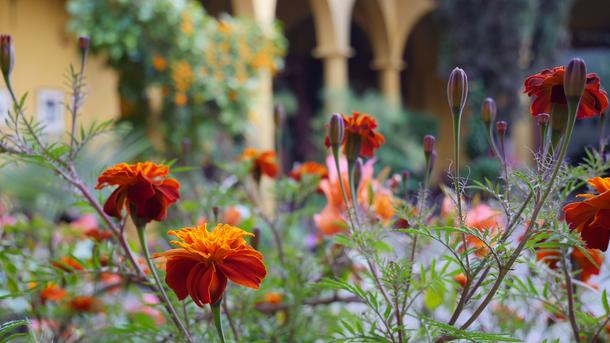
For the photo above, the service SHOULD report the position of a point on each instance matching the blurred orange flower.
(181, 99)
(309, 168)
(591, 217)
(484, 219)
(547, 87)
(372, 196)
(461, 279)
(85, 304)
(52, 292)
(206, 260)
(143, 187)
(360, 131)
(587, 267)
(98, 235)
(263, 162)
(232, 216)
(273, 298)
(159, 63)
(67, 264)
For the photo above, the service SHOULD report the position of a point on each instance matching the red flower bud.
(543, 119)
(488, 111)
(574, 78)
(501, 127)
(429, 143)
(457, 90)
(336, 130)
(7, 55)
(405, 176)
(83, 44)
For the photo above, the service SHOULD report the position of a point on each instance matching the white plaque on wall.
(51, 111)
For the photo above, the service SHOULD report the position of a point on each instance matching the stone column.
(335, 63)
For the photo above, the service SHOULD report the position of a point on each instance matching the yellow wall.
(44, 50)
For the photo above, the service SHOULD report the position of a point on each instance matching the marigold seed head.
(543, 119)
(7, 55)
(429, 144)
(457, 90)
(501, 127)
(575, 78)
(488, 111)
(336, 130)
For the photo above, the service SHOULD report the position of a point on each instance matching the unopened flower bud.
(336, 130)
(7, 55)
(429, 143)
(543, 119)
(488, 111)
(84, 43)
(405, 176)
(457, 90)
(501, 127)
(575, 78)
(278, 115)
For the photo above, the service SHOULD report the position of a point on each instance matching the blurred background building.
(401, 49)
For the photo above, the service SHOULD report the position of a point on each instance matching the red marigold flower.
(586, 266)
(360, 128)
(52, 292)
(143, 187)
(263, 162)
(309, 168)
(85, 304)
(67, 264)
(205, 261)
(547, 88)
(591, 217)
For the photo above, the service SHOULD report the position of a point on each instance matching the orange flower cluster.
(263, 162)
(547, 87)
(360, 134)
(52, 292)
(142, 187)
(67, 264)
(205, 261)
(591, 217)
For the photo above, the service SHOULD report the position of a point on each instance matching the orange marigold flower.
(548, 256)
(587, 267)
(52, 292)
(143, 187)
(360, 131)
(67, 264)
(591, 217)
(85, 304)
(205, 261)
(547, 88)
(309, 168)
(181, 99)
(263, 162)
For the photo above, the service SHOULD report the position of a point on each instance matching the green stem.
(168, 304)
(218, 320)
(457, 119)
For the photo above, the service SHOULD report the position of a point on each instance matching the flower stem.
(570, 288)
(168, 304)
(218, 320)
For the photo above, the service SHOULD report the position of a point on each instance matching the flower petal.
(245, 268)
